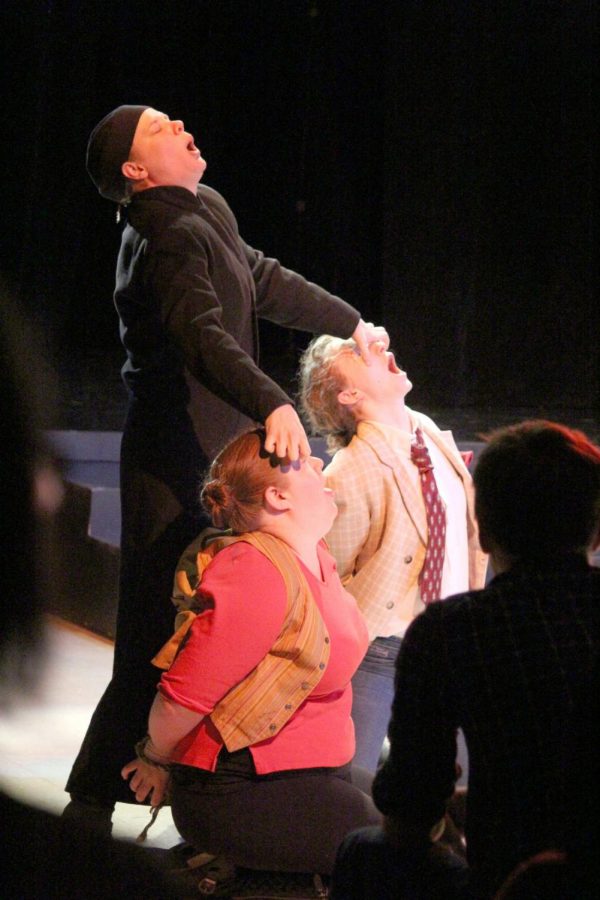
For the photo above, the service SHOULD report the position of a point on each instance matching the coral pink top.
(226, 642)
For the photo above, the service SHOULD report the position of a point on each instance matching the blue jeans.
(373, 692)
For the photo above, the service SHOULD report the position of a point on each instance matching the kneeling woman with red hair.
(251, 723)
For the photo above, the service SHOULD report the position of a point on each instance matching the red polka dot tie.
(430, 578)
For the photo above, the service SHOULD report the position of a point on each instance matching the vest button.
(288, 705)
(321, 665)
(272, 727)
(390, 605)
(326, 640)
(408, 559)
(305, 685)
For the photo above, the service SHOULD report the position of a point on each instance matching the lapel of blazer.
(404, 476)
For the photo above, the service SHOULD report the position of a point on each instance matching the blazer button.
(321, 665)
(272, 727)
(408, 559)
(390, 605)
(326, 640)
(305, 685)
(288, 705)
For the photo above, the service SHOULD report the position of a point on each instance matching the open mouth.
(392, 367)
(191, 147)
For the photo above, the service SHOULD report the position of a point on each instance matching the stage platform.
(41, 736)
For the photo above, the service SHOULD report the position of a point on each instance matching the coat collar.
(171, 195)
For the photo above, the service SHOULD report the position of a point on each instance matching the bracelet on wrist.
(140, 752)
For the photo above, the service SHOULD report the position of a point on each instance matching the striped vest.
(260, 705)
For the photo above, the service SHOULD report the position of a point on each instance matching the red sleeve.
(227, 642)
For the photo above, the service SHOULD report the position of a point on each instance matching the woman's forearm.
(168, 723)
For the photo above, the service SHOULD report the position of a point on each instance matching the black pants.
(289, 821)
(162, 466)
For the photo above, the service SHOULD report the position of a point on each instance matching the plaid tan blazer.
(380, 534)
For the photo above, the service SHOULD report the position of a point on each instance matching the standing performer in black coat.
(189, 292)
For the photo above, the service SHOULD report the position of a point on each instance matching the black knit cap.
(108, 148)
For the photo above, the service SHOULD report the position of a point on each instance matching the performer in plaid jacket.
(381, 534)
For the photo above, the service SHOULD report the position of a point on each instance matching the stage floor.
(41, 737)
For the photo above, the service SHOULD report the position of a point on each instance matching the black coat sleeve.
(284, 297)
(177, 271)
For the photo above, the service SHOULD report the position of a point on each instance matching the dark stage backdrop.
(430, 162)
